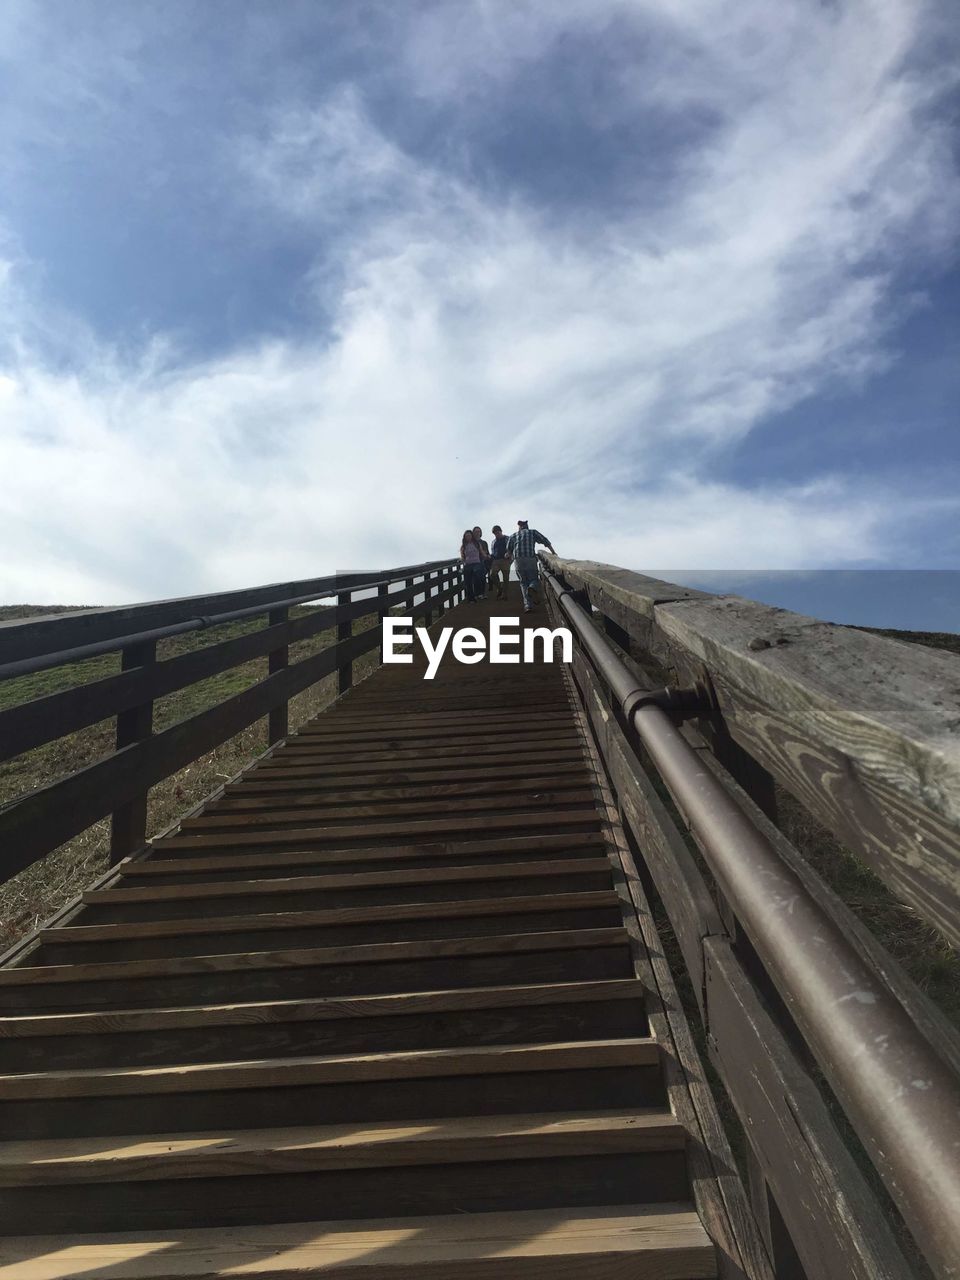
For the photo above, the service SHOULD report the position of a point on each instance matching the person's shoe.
(527, 608)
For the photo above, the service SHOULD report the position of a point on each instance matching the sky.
(290, 288)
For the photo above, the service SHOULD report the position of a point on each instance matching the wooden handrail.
(34, 824)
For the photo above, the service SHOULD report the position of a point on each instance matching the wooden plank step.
(401, 718)
(280, 899)
(463, 747)
(429, 920)
(341, 734)
(479, 781)
(402, 877)
(401, 722)
(181, 929)
(243, 797)
(397, 810)
(666, 1242)
(281, 766)
(331, 1007)
(389, 831)
(458, 853)
(502, 946)
(351, 1068)
(236, 1153)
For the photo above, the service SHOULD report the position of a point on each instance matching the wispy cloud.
(468, 351)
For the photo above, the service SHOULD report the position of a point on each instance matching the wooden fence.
(117, 786)
(864, 732)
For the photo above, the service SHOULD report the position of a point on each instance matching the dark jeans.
(475, 580)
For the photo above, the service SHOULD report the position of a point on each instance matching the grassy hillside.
(36, 893)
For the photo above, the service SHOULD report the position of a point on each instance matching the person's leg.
(469, 582)
(525, 568)
(534, 581)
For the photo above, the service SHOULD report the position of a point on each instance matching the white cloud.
(489, 360)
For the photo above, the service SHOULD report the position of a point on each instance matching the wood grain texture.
(360, 1007)
(368, 953)
(565, 843)
(665, 1243)
(864, 730)
(836, 1224)
(308, 1147)
(686, 899)
(289, 1073)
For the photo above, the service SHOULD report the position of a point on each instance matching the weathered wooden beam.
(28, 638)
(128, 826)
(278, 660)
(686, 898)
(863, 730)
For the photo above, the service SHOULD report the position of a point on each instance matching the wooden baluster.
(128, 824)
(344, 632)
(277, 660)
(427, 611)
(382, 612)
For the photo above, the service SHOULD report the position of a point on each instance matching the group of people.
(487, 565)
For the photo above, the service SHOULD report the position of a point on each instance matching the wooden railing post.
(128, 823)
(427, 610)
(344, 632)
(277, 660)
(381, 612)
(616, 633)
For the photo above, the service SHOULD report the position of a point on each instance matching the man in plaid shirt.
(523, 547)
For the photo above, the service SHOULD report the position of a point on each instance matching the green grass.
(36, 893)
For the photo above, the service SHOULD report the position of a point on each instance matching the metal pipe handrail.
(903, 1099)
(43, 662)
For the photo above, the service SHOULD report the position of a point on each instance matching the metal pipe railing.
(903, 1100)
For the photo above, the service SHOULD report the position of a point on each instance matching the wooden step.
(234, 1153)
(462, 1164)
(462, 853)
(374, 719)
(463, 747)
(666, 1242)
(333, 926)
(371, 888)
(253, 795)
(300, 813)
(477, 729)
(413, 1064)
(615, 1075)
(283, 765)
(540, 1013)
(397, 832)
(505, 959)
(487, 781)
(405, 803)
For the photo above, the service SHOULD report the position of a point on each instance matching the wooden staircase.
(375, 1012)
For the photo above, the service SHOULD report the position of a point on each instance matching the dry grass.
(30, 898)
